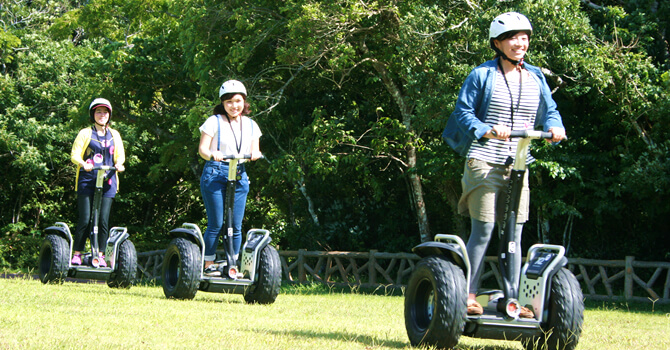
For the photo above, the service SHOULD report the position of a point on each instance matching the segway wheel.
(126, 266)
(566, 315)
(54, 259)
(181, 269)
(267, 287)
(435, 303)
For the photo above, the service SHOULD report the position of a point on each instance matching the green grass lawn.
(92, 315)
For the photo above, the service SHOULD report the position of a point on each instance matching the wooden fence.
(614, 280)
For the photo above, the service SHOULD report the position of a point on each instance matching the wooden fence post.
(372, 267)
(628, 278)
(302, 278)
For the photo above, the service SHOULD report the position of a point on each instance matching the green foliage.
(351, 97)
(8, 42)
(17, 251)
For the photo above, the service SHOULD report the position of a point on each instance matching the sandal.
(212, 271)
(474, 308)
(526, 313)
(76, 260)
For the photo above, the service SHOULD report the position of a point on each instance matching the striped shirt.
(499, 113)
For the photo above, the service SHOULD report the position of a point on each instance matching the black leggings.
(85, 208)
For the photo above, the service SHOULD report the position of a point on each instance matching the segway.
(257, 275)
(56, 250)
(436, 295)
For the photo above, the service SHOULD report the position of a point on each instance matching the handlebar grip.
(528, 133)
(233, 156)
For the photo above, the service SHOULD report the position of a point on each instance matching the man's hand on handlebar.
(559, 134)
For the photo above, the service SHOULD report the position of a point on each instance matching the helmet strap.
(517, 64)
(103, 126)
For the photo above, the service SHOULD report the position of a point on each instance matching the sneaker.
(211, 271)
(76, 260)
(102, 262)
(526, 313)
(475, 309)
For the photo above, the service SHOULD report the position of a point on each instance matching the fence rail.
(614, 280)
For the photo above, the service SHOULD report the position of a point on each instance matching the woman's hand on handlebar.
(87, 166)
(119, 168)
(559, 134)
(500, 132)
(256, 155)
(217, 156)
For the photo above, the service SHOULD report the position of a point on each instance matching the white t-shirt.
(236, 136)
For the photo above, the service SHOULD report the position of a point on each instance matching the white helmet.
(232, 87)
(508, 22)
(99, 102)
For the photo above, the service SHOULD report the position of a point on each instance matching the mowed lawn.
(92, 315)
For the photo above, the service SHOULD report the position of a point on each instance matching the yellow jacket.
(81, 144)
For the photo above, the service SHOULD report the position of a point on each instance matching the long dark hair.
(219, 109)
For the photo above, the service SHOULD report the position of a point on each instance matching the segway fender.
(189, 234)
(257, 239)
(451, 250)
(60, 229)
(116, 236)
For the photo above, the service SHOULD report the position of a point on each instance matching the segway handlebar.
(105, 175)
(532, 134)
(103, 167)
(234, 156)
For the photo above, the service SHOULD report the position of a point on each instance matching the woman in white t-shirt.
(228, 132)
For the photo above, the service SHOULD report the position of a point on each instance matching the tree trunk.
(417, 197)
(416, 189)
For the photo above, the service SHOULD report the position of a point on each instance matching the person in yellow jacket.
(99, 145)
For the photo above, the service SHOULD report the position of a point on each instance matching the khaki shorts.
(485, 191)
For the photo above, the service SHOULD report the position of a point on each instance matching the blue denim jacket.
(466, 123)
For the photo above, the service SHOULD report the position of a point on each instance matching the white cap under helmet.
(99, 102)
(232, 87)
(508, 22)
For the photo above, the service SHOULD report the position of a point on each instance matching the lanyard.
(238, 146)
(511, 98)
(103, 143)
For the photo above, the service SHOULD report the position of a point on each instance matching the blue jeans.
(213, 189)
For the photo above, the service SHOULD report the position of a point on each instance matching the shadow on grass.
(369, 342)
(627, 306)
(366, 341)
(324, 289)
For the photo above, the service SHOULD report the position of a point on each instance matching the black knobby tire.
(126, 266)
(436, 303)
(54, 259)
(566, 315)
(267, 287)
(181, 269)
